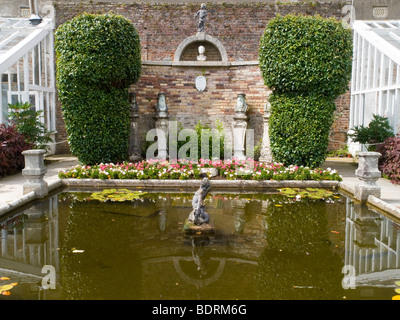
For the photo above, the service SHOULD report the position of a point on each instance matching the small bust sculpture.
(201, 56)
(199, 215)
(241, 105)
(161, 105)
(202, 14)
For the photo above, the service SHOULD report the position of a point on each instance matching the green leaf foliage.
(299, 128)
(306, 61)
(28, 123)
(98, 58)
(101, 50)
(377, 131)
(306, 54)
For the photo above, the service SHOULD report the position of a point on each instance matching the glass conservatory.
(27, 67)
(375, 84)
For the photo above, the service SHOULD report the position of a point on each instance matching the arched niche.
(187, 49)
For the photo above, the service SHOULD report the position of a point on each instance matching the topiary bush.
(299, 128)
(98, 58)
(306, 54)
(306, 61)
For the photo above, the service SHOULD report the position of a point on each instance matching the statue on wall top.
(202, 14)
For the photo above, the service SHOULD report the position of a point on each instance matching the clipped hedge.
(98, 58)
(299, 128)
(98, 50)
(306, 61)
(306, 54)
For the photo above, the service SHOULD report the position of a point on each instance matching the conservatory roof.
(385, 35)
(18, 36)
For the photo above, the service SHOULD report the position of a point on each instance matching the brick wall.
(238, 26)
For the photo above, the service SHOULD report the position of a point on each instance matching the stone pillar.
(134, 145)
(266, 155)
(162, 125)
(368, 173)
(239, 127)
(34, 171)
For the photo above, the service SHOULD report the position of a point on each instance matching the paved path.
(11, 186)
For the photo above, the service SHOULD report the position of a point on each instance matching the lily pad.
(311, 193)
(116, 195)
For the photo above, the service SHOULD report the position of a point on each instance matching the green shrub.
(299, 128)
(377, 131)
(99, 50)
(27, 121)
(306, 61)
(306, 54)
(98, 58)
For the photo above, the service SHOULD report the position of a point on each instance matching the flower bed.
(185, 169)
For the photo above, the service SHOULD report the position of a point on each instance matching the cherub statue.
(202, 14)
(198, 215)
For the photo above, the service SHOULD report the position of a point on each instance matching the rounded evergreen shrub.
(299, 128)
(306, 54)
(306, 61)
(98, 58)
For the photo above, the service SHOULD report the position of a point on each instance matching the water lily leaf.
(116, 195)
(397, 283)
(397, 290)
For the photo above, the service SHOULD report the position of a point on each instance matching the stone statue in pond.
(198, 215)
(202, 15)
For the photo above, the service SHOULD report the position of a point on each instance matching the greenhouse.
(375, 84)
(27, 67)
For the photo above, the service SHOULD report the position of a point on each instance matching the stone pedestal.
(206, 228)
(162, 125)
(266, 155)
(162, 134)
(134, 144)
(34, 172)
(239, 135)
(368, 173)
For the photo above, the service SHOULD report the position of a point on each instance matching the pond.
(265, 246)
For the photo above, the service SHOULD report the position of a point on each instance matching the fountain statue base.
(191, 228)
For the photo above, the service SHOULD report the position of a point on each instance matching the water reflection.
(264, 248)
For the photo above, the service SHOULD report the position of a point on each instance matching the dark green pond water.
(264, 247)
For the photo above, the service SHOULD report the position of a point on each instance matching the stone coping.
(215, 184)
(200, 63)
